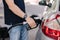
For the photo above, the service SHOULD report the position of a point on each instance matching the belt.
(16, 25)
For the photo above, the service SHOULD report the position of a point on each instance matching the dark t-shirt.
(10, 17)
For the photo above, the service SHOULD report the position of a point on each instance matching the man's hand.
(31, 22)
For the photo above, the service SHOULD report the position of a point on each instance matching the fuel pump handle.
(37, 20)
(35, 17)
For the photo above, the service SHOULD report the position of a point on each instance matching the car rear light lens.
(52, 33)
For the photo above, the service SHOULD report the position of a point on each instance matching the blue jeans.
(19, 33)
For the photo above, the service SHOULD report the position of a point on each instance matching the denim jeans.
(19, 32)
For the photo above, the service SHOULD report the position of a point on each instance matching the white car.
(50, 27)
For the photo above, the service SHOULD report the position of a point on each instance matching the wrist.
(25, 16)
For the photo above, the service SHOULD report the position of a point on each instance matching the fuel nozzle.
(37, 21)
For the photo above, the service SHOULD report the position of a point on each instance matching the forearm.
(14, 8)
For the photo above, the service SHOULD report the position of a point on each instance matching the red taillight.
(52, 33)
